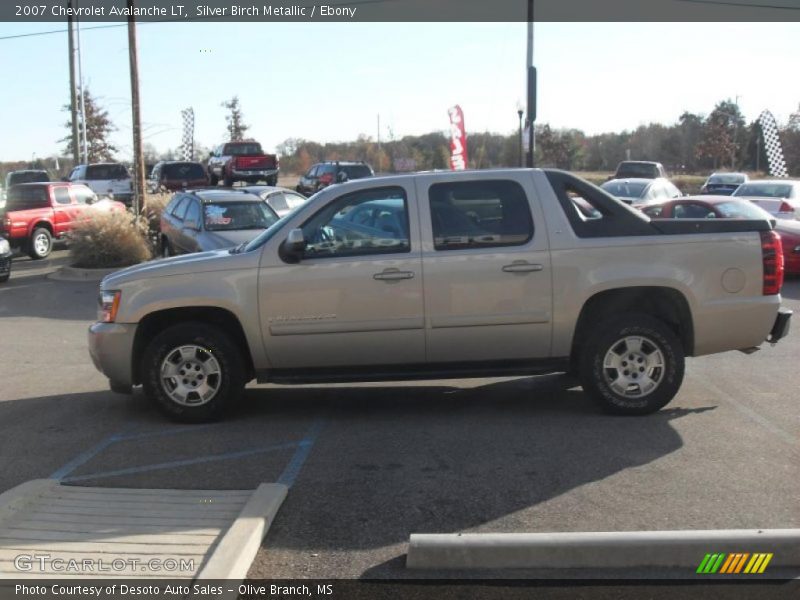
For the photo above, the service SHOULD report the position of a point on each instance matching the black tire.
(213, 179)
(166, 249)
(41, 243)
(228, 181)
(273, 181)
(4, 278)
(213, 343)
(603, 383)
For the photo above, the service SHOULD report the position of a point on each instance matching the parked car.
(790, 239)
(324, 174)
(37, 214)
(242, 161)
(707, 207)
(640, 192)
(779, 197)
(202, 220)
(491, 272)
(5, 260)
(175, 175)
(723, 184)
(639, 169)
(110, 180)
(281, 200)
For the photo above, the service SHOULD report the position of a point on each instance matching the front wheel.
(40, 244)
(632, 365)
(193, 372)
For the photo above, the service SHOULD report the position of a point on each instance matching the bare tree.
(235, 119)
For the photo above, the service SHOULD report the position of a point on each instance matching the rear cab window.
(106, 172)
(27, 198)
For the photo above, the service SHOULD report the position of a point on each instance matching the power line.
(741, 4)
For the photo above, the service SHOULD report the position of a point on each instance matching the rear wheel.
(166, 249)
(213, 179)
(632, 365)
(41, 243)
(273, 181)
(228, 181)
(193, 372)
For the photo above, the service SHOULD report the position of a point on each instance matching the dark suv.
(323, 174)
(176, 175)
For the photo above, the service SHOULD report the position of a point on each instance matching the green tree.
(235, 120)
(98, 131)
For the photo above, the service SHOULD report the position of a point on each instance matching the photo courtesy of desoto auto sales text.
(399, 300)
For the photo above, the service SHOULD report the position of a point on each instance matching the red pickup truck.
(242, 161)
(37, 213)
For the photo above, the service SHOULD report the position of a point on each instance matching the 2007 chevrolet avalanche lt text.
(450, 274)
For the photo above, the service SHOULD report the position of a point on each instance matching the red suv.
(37, 213)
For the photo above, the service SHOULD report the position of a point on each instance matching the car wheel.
(273, 181)
(40, 244)
(166, 250)
(213, 179)
(632, 365)
(193, 372)
(227, 182)
(4, 278)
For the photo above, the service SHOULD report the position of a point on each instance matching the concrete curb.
(601, 550)
(76, 274)
(11, 500)
(234, 554)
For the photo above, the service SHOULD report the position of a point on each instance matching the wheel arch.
(154, 323)
(664, 303)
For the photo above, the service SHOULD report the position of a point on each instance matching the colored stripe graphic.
(734, 563)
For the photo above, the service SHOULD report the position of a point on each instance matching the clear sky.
(328, 82)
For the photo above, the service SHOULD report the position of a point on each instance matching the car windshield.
(742, 210)
(27, 177)
(102, 172)
(228, 216)
(265, 236)
(726, 179)
(25, 197)
(764, 190)
(625, 189)
(183, 171)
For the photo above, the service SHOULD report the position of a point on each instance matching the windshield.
(229, 216)
(742, 210)
(764, 190)
(637, 170)
(27, 177)
(625, 189)
(726, 179)
(183, 171)
(267, 235)
(102, 172)
(242, 149)
(27, 197)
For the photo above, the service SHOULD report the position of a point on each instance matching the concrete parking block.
(597, 550)
(185, 534)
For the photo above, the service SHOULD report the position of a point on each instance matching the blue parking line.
(83, 458)
(292, 470)
(183, 463)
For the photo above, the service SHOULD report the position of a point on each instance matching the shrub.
(154, 205)
(107, 240)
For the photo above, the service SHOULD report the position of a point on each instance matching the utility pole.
(531, 88)
(73, 94)
(380, 156)
(138, 157)
(84, 127)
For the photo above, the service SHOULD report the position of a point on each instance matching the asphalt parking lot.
(370, 464)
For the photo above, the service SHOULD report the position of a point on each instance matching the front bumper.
(111, 349)
(5, 264)
(781, 327)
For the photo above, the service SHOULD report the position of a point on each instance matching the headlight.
(5, 247)
(109, 304)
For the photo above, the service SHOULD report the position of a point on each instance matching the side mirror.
(292, 249)
(91, 199)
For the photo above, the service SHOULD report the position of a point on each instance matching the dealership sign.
(458, 139)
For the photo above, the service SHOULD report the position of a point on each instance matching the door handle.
(522, 267)
(393, 275)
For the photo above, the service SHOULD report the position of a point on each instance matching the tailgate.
(264, 161)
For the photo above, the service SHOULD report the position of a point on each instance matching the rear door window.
(62, 195)
(479, 214)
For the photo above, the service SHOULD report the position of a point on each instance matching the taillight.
(786, 208)
(772, 259)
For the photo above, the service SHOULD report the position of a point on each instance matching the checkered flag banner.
(772, 145)
(188, 133)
